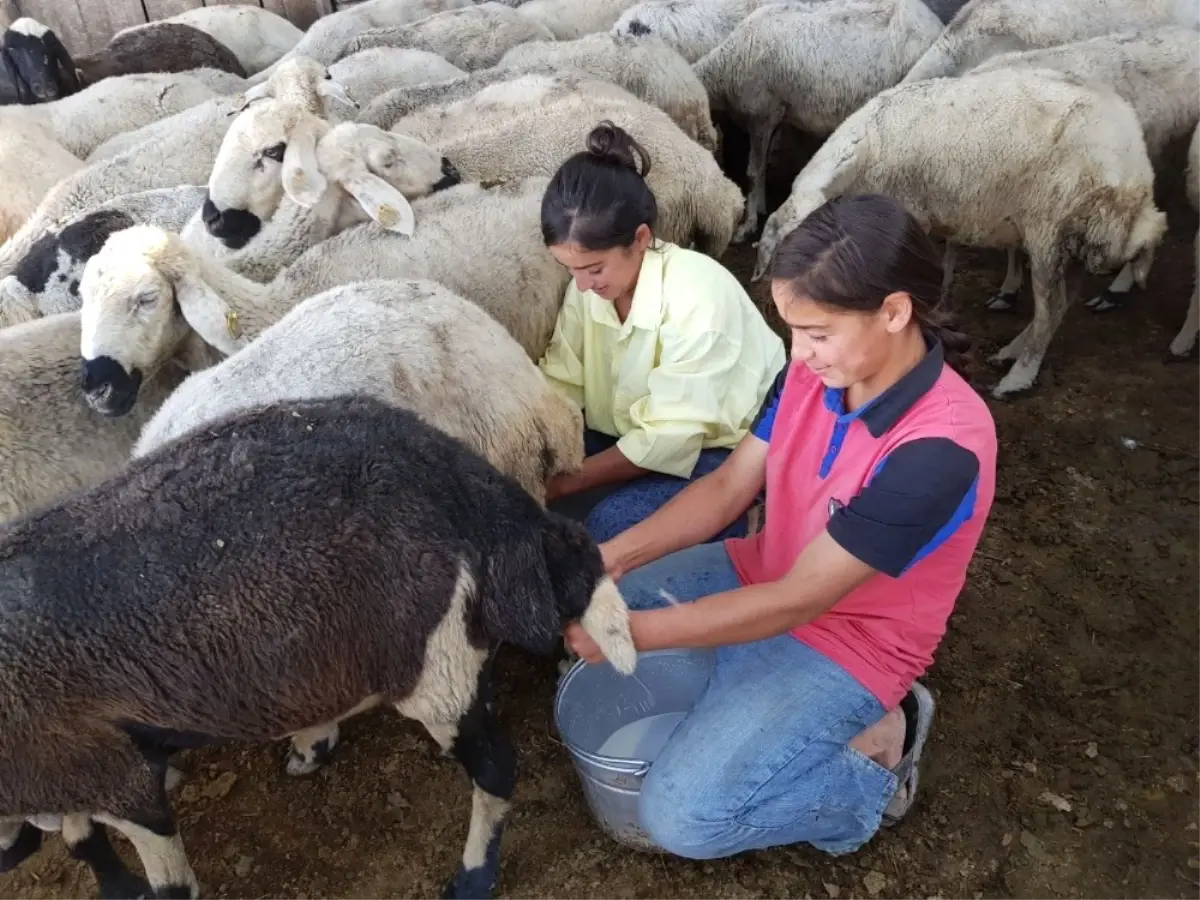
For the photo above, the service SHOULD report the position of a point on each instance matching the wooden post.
(164, 9)
(301, 13)
(84, 26)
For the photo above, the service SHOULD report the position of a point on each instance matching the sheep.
(533, 123)
(483, 244)
(42, 163)
(1184, 343)
(474, 37)
(350, 159)
(1157, 71)
(257, 36)
(179, 156)
(233, 634)
(51, 441)
(42, 64)
(985, 28)
(327, 36)
(46, 281)
(277, 149)
(994, 160)
(651, 70)
(569, 19)
(809, 65)
(693, 27)
(373, 72)
(397, 341)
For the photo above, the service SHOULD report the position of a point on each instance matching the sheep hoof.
(297, 765)
(124, 886)
(1002, 302)
(28, 842)
(1191, 355)
(471, 883)
(1107, 300)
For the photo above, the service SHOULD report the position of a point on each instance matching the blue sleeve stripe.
(965, 510)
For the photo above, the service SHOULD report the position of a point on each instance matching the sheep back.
(292, 560)
(159, 47)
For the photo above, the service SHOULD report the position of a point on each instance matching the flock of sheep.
(230, 224)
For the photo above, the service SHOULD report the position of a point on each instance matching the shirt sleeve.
(764, 421)
(920, 494)
(562, 363)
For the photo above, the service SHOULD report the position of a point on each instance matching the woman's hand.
(558, 486)
(581, 644)
(613, 564)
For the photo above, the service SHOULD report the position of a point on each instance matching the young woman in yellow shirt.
(660, 345)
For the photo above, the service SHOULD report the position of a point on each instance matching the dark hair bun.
(613, 144)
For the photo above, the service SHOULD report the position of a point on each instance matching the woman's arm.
(696, 513)
(562, 363)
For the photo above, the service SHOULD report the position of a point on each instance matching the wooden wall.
(86, 25)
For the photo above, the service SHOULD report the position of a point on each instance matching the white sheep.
(485, 245)
(369, 73)
(230, 632)
(51, 442)
(474, 37)
(1185, 341)
(175, 157)
(986, 28)
(649, 69)
(1012, 157)
(1156, 70)
(257, 37)
(570, 19)
(278, 152)
(41, 162)
(693, 27)
(533, 123)
(327, 36)
(399, 341)
(809, 65)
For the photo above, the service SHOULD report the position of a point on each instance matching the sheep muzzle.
(108, 388)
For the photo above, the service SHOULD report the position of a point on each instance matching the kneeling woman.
(879, 467)
(660, 345)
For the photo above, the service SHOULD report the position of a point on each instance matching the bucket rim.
(623, 765)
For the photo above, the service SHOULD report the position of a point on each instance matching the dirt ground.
(1063, 760)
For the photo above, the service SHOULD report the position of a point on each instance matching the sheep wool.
(230, 632)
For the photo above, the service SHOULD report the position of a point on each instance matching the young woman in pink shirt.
(878, 461)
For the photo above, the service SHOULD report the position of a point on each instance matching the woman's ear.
(897, 310)
(643, 237)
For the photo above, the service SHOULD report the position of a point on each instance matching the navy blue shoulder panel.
(764, 422)
(919, 495)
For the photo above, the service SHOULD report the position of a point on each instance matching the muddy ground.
(1069, 669)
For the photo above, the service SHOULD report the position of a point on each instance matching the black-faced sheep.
(297, 563)
(45, 70)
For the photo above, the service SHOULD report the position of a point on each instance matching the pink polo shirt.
(904, 483)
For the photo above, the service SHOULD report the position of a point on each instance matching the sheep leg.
(88, 843)
(311, 748)
(1185, 342)
(1006, 299)
(19, 840)
(762, 132)
(490, 761)
(1115, 295)
(949, 259)
(1029, 347)
(160, 849)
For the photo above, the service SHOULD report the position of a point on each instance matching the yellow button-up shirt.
(686, 371)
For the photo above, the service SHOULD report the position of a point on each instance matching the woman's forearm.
(692, 516)
(610, 466)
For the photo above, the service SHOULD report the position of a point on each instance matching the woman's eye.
(276, 152)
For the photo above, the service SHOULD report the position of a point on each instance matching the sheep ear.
(330, 89)
(257, 92)
(382, 202)
(303, 180)
(72, 76)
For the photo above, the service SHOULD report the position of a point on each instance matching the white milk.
(643, 738)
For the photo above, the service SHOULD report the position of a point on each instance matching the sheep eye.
(276, 152)
(142, 301)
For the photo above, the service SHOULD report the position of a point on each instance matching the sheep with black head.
(295, 563)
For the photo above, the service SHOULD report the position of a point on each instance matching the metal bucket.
(593, 701)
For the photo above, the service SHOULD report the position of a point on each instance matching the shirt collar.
(882, 412)
(646, 309)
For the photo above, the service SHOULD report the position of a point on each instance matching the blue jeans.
(624, 506)
(763, 758)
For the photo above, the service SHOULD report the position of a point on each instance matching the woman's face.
(611, 273)
(842, 347)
